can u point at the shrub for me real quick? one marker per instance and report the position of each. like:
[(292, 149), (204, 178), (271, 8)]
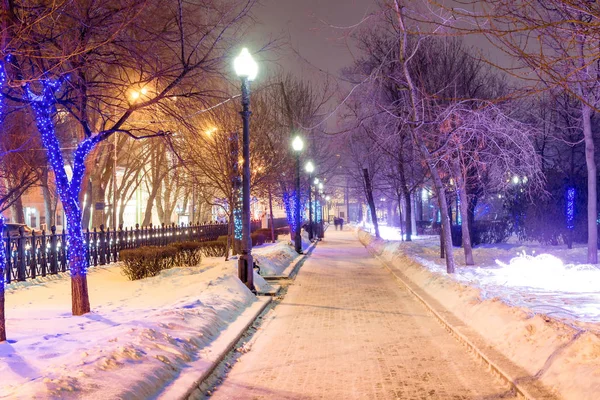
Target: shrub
[(267, 234), (285, 230), (145, 262), (257, 239), (189, 254), (213, 248), (222, 238), (488, 232)]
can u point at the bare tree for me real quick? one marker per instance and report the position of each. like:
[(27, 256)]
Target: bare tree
[(557, 40)]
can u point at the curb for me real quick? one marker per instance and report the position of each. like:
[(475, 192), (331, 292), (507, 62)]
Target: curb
[(292, 269), (197, 371), (274, 292), (528, 390), (191, 377)]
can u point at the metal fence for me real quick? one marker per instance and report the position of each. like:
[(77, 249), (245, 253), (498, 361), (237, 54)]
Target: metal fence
[(41, 254)]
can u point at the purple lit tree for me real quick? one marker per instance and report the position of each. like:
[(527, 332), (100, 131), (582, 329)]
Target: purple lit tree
[(44, 107)]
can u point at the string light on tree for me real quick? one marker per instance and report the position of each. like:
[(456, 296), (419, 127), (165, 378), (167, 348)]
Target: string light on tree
[(44, 108), (570, 208)]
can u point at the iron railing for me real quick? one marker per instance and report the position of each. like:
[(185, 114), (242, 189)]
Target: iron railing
[(40, 254)]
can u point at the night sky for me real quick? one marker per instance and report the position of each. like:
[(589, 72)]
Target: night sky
[(304, 25)]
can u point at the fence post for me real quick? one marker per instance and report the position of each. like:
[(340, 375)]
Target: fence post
[(21, 255), (102, 257), (43, 252), (53, 251), (117, 242), (136, 235), (95, 241), (63, 251), (32, 259), (8, 255)]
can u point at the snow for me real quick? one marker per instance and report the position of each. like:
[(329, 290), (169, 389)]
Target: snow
[(136, 340), (275, 258), (552, 280), (540, 311)]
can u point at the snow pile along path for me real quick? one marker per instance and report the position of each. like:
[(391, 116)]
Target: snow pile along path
[(138, 337), (563, 356), (273, 259)]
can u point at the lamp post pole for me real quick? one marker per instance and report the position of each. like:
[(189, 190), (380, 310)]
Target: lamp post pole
[(310, 169), (310, 216), (245, 262), (246, 69), (297, 144), (321, 230)]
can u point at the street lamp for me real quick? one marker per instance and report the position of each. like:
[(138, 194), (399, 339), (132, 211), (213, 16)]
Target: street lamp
[(297, 145), (310, 168), (321, 230), (246, 69)]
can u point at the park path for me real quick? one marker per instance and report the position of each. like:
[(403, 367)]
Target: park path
[(347, 330)]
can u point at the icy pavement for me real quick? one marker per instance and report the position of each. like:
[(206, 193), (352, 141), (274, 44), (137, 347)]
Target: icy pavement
[(550, 280), (347, 330)]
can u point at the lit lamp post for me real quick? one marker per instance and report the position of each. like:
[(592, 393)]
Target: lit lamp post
[(246, 68), (321, 230), (297, 145), (310, 168), (316, 182)]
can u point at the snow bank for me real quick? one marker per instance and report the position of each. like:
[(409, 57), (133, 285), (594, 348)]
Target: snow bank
[(275, 258), (137, 338), (563, 355)]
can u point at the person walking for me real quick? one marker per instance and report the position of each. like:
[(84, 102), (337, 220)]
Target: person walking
[(341, 221), (336, 222)]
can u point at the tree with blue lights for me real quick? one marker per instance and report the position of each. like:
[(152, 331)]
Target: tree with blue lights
[(95, 69)]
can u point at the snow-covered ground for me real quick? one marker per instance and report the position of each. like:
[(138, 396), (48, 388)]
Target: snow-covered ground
[(551, 280), (137, 338), (537, 311), (273, 260)]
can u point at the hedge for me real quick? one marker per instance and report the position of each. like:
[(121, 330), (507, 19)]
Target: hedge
[(488, 232), (189, 254), (213, 248), (145, 262), (267, 234)]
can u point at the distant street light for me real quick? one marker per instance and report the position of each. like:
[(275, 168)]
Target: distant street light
[(297, 145), (310, 168), (246, 68), (321, 230)]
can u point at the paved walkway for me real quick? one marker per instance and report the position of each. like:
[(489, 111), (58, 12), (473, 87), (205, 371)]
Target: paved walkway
[(347, 330)]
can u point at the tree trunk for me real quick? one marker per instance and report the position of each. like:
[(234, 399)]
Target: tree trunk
[(99, 196), (16, 209), (446, 239), (49, 200), (2, 278), (369, 190), (149, 205), (229, 236), (473, 199), (271, 215), (464, 213), (592, 215), (442, 243), (400, 214), (408, 214), (87, 208)]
